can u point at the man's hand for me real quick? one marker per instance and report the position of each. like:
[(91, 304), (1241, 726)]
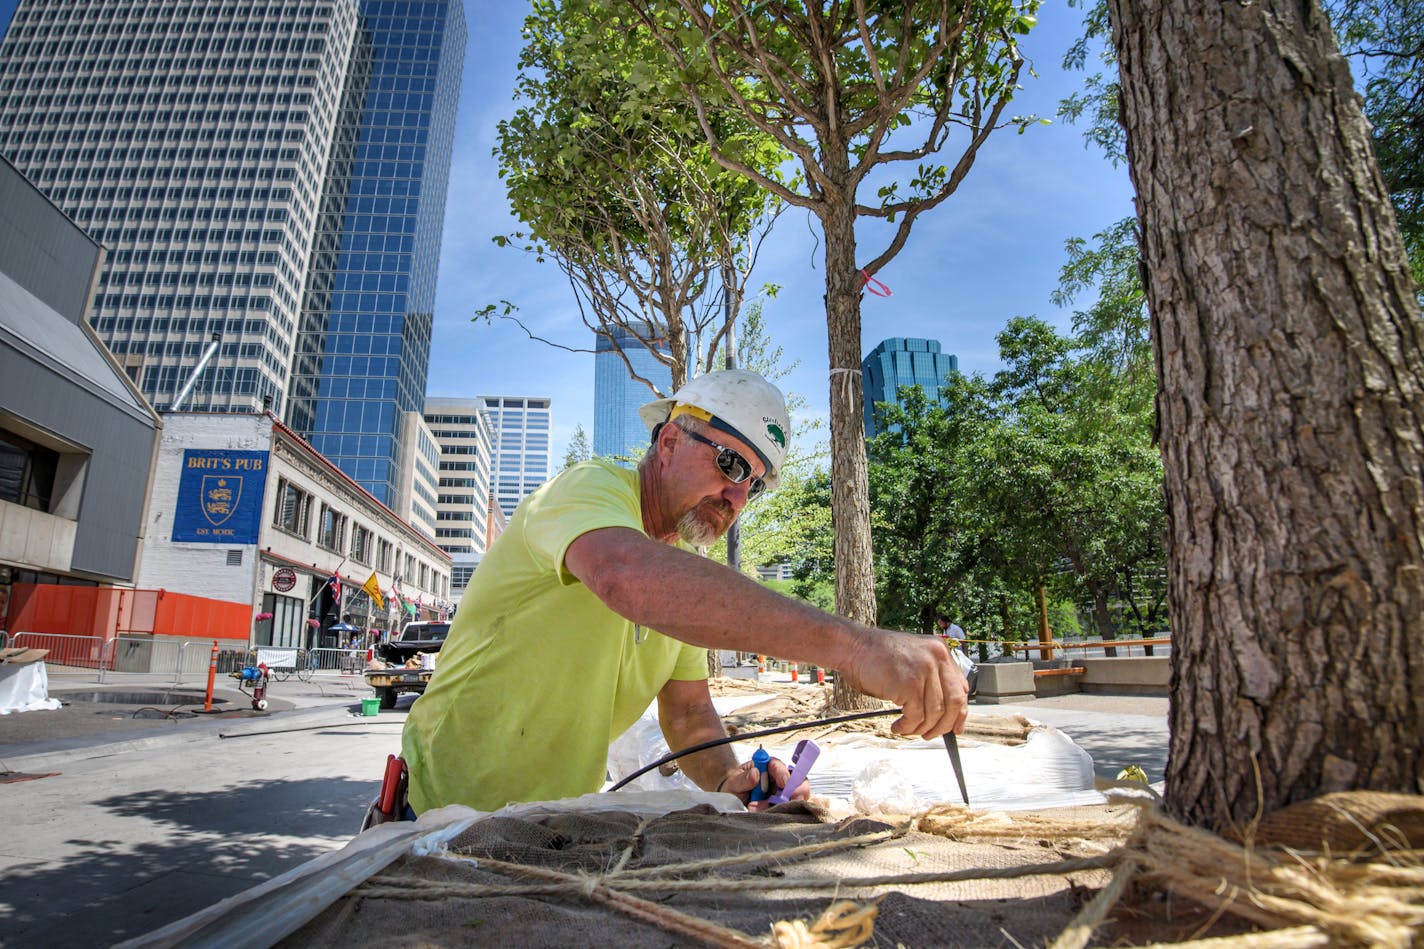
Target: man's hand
[(916, 672), (744, 777)]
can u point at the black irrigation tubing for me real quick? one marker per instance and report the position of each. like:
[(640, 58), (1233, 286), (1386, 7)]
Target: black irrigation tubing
[(748, 736), (304, 728)]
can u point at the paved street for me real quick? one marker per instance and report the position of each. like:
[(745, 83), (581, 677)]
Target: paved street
[(117, 844)]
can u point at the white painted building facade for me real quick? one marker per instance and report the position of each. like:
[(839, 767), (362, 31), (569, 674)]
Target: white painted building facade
[(244, 510)]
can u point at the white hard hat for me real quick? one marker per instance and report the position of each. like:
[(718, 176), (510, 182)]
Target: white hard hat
[(738, 402)]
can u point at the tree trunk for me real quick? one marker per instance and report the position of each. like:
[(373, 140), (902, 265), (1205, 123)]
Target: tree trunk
[(1102, 616), (850, 490), (1288, 341), (1045, 632)]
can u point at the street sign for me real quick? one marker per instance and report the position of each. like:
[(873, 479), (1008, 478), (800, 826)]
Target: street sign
[(284, 579)]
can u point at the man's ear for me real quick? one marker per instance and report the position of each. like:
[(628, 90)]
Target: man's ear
[(664, 437)]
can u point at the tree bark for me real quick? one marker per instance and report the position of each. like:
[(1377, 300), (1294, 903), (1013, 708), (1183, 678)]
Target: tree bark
[(1102, 616), (1288, 340), (850, 479)]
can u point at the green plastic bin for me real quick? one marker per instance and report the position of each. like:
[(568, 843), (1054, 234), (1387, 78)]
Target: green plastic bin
[(371, 707)]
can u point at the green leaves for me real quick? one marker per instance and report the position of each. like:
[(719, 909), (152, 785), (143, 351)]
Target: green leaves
[(1043, 475)]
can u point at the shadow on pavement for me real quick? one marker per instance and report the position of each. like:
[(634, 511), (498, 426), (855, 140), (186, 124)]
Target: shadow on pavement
[(200, 848)]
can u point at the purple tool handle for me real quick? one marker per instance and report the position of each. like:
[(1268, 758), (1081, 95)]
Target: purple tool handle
[(802, 758)]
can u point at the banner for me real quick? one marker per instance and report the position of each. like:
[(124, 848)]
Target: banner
[(220, 496)]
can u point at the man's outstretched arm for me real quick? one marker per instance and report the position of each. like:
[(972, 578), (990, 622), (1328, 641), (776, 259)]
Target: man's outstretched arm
[(707, 604)]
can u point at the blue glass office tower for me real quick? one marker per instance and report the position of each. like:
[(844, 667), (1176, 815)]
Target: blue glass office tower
[(617, 430), (363, 346), (900, 362)]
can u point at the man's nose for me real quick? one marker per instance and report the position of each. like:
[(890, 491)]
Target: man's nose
[(735, 493)]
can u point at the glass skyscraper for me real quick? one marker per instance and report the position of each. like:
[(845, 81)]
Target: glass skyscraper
[(617, 429), (269, 176), (363, 348), (899, 362)]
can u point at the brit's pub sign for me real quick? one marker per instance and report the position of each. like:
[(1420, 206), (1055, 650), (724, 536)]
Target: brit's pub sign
[(220, 496)]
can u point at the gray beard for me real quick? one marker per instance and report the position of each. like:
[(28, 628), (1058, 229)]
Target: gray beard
[(696, 531)]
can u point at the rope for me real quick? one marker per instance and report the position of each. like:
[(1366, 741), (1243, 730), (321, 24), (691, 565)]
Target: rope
[(842, 925), (788, 855), (406, 889), (1080, 930), (1303, 898), (847, 382)]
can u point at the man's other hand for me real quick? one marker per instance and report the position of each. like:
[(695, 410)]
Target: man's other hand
[(744, 777)]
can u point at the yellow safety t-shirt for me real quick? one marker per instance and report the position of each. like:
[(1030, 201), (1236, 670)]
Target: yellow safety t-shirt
[(537, 676)]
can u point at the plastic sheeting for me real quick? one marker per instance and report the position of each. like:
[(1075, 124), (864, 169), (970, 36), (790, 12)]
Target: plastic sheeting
[(859, 773), (25, 688)]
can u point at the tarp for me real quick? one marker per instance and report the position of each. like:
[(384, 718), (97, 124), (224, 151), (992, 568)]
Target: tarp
[(866, 774), (25, 688)]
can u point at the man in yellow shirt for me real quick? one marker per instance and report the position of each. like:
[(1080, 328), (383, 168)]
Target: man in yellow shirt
[(590, 605)]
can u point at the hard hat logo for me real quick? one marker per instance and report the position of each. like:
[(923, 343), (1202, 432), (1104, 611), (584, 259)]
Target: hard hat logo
[(739, 402)]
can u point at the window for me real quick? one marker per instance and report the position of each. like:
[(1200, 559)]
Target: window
[(27, 472), (383, 556), (361, 544), (332, 530), (293, 508)]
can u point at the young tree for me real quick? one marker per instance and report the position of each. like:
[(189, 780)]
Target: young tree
[(607, 168), (578, 448), (854, 93), (1288, 336)]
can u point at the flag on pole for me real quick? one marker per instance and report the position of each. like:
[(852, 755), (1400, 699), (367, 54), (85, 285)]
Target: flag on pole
[(335, 584), (372, 588)]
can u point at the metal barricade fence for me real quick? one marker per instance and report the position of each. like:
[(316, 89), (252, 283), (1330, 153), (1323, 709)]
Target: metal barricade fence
[(69, 655), (340, 661), (85, 656)]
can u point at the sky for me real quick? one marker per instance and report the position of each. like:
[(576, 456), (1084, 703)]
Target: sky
[(991, 252)]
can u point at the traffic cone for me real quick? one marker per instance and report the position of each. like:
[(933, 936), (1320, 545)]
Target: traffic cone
[(761, 664), (795, 667)]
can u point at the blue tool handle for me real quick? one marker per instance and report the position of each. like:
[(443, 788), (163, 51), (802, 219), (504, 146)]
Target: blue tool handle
[(763, 788)]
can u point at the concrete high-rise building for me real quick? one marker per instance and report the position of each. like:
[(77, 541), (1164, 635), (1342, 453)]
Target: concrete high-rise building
[(272, 174), (617, 430), (899, 362), (519, 427), (417, 487), (461, 428)]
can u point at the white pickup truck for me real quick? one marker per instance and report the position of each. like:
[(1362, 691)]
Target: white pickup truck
[(399, 675)]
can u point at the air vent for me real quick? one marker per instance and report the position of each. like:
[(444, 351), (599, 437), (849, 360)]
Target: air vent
[(234, 558)]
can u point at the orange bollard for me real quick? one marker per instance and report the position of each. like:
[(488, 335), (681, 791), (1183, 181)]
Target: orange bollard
[(795, 667), (761, 664), (820, 676), (212, 676)]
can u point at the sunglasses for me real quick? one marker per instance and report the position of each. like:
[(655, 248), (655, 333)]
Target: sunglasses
[(733, 465)]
